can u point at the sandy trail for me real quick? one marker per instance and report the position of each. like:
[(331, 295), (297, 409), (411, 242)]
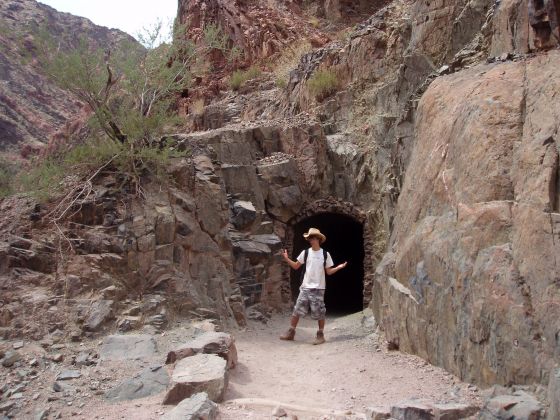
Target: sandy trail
[(335, 380), (349, 373)]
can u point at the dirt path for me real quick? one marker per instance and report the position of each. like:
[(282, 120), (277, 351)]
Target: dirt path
[(349, 373), (336, 380)]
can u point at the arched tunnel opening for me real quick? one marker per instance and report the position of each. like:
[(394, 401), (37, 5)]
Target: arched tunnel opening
[(345, 242)]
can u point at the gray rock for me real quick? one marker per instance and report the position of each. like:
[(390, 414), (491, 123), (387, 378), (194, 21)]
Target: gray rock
[(101, 311), (377, 413), (7, 406), (272, 240), (10, 358), (68, 374), (150, 381), (219, 343), (244, 214), (412, 410), (15, 390), (42, 414), (197, 407), (453, 411), (84, 359), (519, 406), (57, 357), (17, 345), (127, 347), (128, 323), (554, 395), (279, 412), (251, 248), (199, 373)]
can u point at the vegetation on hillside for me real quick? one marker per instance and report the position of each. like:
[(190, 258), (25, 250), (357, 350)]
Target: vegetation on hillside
[(323, 83), (131, 92), (240, 77)]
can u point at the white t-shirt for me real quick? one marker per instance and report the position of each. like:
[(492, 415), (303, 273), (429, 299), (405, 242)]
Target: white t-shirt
[(314, 277)]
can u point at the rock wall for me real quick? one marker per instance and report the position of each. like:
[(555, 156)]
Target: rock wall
[(471, 282)]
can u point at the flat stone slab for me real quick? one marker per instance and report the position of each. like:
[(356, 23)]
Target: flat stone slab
[(68, 374), (199, 373), (127, 347), (149, 381), (452, 411), (197, 407), (412, 410), (519, 405), (377, 413), (211, 342)]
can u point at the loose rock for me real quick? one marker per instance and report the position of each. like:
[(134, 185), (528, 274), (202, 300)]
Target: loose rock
[(68, 374), (10, 358), (218, 343), (199, 406), (199, 373), (127, 347), (148, 382)]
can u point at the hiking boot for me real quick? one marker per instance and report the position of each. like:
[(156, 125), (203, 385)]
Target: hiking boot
[(320, 339), (288, 335)]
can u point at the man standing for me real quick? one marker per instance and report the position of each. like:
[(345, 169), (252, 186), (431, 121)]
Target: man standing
[(312, 291)]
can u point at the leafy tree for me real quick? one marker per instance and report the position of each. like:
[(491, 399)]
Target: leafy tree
[(130, 90)]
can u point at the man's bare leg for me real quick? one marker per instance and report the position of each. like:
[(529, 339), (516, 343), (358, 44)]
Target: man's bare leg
[(294, 321), (321, 323)]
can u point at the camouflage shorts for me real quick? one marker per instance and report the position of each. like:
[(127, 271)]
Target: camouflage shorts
[(311, 300)]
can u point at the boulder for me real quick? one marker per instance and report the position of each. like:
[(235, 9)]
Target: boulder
[(219, 343), (101, 312), (244, 214), (127, 347), (518, 406), (197, 407), (453, 411), (10, 358), (199, 373), (412, 410), (475, 235), (377, 413), (149, 381)]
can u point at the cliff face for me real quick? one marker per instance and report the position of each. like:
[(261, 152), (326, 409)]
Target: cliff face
[(475, 243), (449, 108), (32, 107)]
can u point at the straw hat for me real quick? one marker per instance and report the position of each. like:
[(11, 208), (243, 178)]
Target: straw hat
[(315, 232)]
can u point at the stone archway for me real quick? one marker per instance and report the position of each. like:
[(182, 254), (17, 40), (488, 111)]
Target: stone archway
[(349, 238)]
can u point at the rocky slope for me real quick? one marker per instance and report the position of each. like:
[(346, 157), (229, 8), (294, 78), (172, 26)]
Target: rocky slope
[(32, 108)]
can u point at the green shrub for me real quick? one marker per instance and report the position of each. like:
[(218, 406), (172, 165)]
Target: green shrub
[(323, 84), (47, 178), (240, 77), (281, 83), (288, 60), (6, 178)]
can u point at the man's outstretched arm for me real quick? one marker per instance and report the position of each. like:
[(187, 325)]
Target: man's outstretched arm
[(294, 264), (332, 270)]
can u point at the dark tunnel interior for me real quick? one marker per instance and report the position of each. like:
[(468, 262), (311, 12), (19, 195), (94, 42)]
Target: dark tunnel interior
[(345, 242)]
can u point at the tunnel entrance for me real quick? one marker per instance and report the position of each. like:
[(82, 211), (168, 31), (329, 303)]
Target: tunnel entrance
[(345, 242)]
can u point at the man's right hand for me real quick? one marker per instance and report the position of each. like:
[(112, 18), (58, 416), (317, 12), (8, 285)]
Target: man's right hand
[(285, 254)]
